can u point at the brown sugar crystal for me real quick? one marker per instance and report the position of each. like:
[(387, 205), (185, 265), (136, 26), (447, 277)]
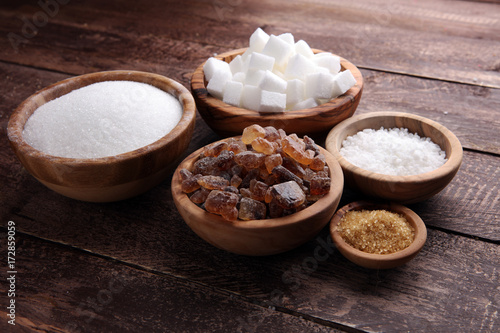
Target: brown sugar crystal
[(263, 174), (376, 231)]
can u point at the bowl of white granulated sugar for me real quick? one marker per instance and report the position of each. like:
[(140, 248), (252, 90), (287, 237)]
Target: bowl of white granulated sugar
[(103, 136), (395, 156)]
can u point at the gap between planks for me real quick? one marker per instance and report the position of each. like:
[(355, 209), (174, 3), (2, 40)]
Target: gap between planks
[(226, 292)]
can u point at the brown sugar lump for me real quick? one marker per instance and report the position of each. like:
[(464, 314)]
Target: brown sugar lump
[(288, 195), (282, 175), (376, 231), (213, 182), (273, 161), (318, 162), (251, 133), (296, 149), (249, 159), (258, 189), (264, 174), (215, 149), (294, 167), (319, 185), (264, 146), (251, 209), (272, 134), (236, 146), (199, 196), (189, 182), (222, 203)]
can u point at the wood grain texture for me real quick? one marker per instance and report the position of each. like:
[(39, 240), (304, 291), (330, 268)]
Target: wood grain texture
[(78, 292), (434, 39), (89, 42), (452, 275), (229, 120), (470, 112), (478, 173), (432, 58)]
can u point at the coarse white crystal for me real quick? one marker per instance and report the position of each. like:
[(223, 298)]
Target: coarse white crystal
[(394, 151)]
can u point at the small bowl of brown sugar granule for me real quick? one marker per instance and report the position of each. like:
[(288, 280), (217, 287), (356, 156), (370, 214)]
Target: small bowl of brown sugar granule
[(378, 236)]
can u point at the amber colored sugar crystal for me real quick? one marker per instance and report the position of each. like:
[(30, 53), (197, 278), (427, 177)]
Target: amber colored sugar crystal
[(376, 231), (266, 174)]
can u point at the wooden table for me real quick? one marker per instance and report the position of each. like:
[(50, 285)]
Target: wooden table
[(136, 266)]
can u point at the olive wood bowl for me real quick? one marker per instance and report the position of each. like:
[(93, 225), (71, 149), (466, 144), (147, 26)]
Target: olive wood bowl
[(379, 261), (402, 189), (108, 178), (227, 120), (259, 237)]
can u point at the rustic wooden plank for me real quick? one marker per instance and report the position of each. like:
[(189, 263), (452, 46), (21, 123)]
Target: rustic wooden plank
[(447, 286), (426, 38), (103, 48), (475, 189), (157, 239), (59, 289), (472, 113)]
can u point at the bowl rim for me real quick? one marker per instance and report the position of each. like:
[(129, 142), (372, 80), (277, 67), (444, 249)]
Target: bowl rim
[(17, 122), (453, 162), (198, 87), (412, 217), (275, 223)]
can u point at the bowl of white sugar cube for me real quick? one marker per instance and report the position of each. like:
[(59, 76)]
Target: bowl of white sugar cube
[(103, 136), (276, 81), (395, 156)]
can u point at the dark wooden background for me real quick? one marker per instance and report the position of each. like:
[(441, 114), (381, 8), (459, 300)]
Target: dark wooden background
[(135, 266)]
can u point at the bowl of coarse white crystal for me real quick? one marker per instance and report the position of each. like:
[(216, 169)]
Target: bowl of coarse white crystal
[(395, 156), (103, 136), (277, 81)]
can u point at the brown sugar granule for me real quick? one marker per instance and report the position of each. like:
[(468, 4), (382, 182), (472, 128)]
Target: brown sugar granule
[(376, 231)]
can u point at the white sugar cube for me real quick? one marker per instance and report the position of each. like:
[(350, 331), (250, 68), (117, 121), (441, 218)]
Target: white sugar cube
[(237, 64), (319, 69), (276, 73), (294, 91), (327, 60), (298, 67), (214, 65), (250, 97), (239, 77), (260, 61), (254, 77), (272, 82), (342, 82), (305, 104), (280, 74), (258, 40), (217, 83), (271, 101), (319, 85), (232, 93), (301, 47), (279, 49), (287, 37)]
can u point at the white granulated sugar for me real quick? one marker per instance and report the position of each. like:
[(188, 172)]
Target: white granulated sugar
[(103, 119), (393, 151)]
